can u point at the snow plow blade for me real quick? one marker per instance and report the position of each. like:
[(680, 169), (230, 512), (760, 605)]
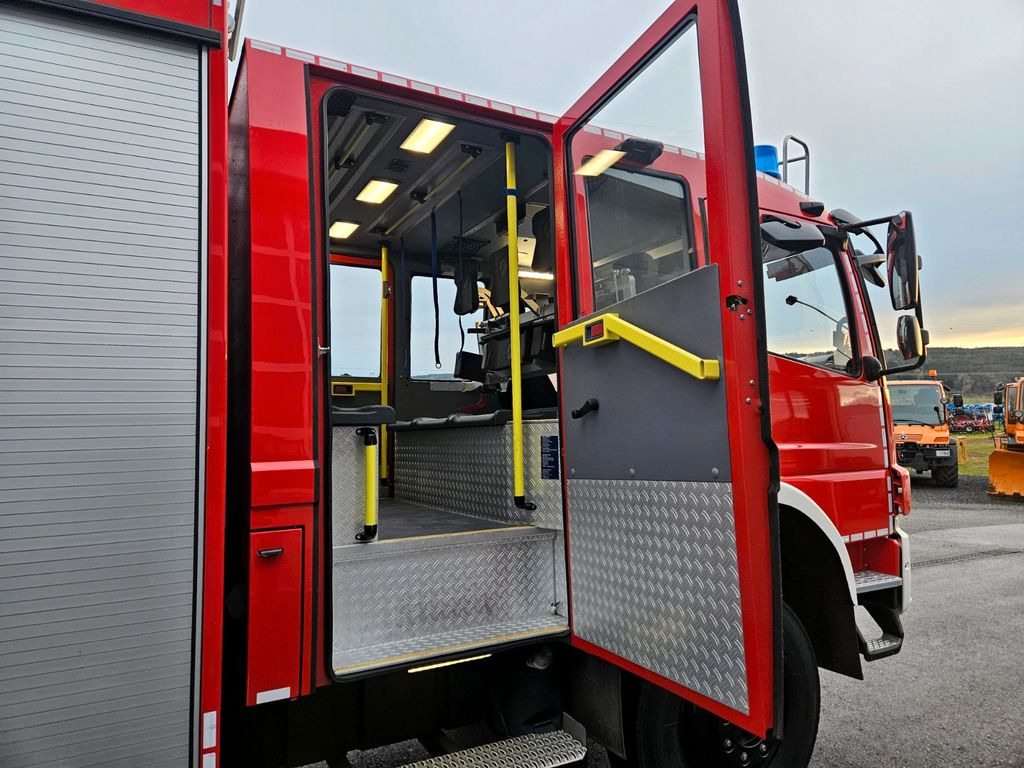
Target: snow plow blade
[(1006, 473)]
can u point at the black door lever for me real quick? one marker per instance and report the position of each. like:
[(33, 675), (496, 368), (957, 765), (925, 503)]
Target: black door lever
[(587, 407)]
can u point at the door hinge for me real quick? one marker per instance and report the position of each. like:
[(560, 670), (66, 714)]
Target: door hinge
[(322, 350)]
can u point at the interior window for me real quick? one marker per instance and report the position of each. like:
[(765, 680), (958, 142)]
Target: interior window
[(450, 339), (639, 232), (805, 308), (356, 296)]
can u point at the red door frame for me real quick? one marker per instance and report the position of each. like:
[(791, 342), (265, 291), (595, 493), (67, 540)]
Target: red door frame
[(730, 189)]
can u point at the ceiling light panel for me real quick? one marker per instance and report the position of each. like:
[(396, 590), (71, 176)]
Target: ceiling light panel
[(426, 136), (600, 162), (376, 191), (341, 229)]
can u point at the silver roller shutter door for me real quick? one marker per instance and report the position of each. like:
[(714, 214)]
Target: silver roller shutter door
[(99, 313)]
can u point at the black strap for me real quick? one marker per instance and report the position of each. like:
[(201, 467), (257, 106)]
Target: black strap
[(401, 281), (433, 272), (462, 266)]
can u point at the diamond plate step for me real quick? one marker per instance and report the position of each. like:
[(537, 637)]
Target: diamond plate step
[(872, 581), (403, 601), (534, 750)]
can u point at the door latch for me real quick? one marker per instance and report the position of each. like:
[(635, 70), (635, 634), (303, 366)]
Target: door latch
[(322, 351), (590, 406)]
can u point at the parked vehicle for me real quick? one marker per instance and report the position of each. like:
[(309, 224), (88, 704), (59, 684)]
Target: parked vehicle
[(452, 412), (1006, 462), (921, 429), (970, 422)]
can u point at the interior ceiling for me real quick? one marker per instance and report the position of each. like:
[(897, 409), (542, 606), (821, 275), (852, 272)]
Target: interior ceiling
[(366, 132)]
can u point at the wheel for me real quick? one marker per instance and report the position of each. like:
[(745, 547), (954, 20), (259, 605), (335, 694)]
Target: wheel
[(946, 477), (672, 733), (968, 428)]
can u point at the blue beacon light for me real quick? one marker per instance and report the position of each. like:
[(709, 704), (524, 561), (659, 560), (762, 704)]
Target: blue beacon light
[(766, 160)]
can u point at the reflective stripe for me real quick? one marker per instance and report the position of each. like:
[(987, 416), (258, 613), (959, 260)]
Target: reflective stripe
[(209, 730), (275, 695)]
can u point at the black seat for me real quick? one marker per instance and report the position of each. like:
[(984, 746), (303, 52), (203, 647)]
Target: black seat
[(456, 420), (365, 416)]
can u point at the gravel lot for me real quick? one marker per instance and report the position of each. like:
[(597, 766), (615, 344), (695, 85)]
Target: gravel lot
[(954, 697)]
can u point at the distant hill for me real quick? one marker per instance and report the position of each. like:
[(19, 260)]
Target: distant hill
[(972, 371)]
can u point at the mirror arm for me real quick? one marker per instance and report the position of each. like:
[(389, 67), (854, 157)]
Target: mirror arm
[(857, 226)]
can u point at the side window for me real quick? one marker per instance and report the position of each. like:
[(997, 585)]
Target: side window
[(356, 297), (637, 170), (805, 309), (450, 338)]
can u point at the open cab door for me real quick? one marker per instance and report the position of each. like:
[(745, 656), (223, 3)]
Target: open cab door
[(670, 476)]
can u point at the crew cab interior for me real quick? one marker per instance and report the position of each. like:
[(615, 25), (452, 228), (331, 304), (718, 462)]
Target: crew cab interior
[(420, 364)]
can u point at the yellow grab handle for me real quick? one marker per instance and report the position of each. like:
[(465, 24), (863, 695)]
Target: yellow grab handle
[(609, 327), (371, 481)]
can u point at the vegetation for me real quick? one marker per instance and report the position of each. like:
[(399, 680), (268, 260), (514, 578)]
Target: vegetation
[(974, 372), (979, 446)]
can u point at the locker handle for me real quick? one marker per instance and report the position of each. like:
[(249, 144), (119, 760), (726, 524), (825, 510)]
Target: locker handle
[(272, 552)]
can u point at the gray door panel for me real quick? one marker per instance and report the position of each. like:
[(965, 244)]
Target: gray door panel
[(654, 422)]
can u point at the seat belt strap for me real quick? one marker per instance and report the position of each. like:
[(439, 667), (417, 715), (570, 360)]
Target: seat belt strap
[(433, 272)]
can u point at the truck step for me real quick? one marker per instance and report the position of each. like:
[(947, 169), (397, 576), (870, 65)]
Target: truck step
[(891, 640), (402, 602), (534, 750), (872, 581)]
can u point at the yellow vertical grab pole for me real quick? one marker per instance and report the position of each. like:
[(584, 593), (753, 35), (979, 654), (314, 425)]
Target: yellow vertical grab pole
[(512, 209), (385, 316)]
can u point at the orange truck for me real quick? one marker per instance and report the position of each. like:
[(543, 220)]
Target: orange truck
[(1006, 463), (920, 429)]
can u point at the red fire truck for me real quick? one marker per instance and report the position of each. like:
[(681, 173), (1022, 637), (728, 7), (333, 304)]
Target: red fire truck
[(439, 412)]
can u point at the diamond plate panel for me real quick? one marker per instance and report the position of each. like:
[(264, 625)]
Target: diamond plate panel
[(469, 471), (534, 750), (348, 489), (655, 580), (394, 601)]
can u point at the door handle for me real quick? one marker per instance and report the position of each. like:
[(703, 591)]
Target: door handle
[(609, 328), (591, 406), (274, 552)]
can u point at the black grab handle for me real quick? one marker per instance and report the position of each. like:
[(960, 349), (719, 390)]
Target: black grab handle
[(587, 407)]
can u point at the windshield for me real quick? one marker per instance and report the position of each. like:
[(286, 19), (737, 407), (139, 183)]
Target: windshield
[(916, 404)]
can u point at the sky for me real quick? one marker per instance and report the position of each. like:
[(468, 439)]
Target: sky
[(913, 105)]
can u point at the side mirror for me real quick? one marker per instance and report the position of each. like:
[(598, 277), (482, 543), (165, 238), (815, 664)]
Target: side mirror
[(902, 262), (997, 396), (908, 337), (958, 401), (790, 234)]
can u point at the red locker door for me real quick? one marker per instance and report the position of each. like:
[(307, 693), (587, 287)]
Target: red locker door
[(275, 615)]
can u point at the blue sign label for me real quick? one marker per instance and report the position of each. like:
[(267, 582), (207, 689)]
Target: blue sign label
[(549, 457)]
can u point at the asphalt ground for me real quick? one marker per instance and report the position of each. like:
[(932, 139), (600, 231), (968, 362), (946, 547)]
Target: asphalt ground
[(954, 696)]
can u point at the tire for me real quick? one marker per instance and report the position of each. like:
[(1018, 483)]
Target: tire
[(946, 477), (672, 733), (968, 428)]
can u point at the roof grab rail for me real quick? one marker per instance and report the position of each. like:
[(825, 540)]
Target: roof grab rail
[(805, 157)]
